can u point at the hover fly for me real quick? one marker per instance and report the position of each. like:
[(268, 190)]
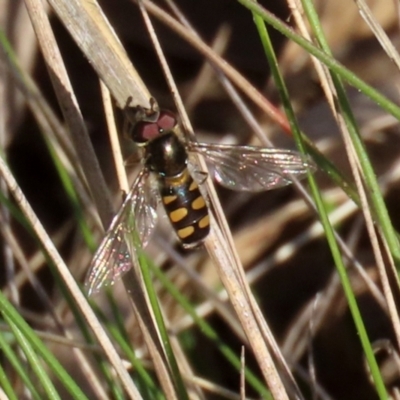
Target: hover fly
[(167, 176)]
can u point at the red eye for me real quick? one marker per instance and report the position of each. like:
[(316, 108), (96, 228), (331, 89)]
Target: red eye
[(145, 131), (166, 121)]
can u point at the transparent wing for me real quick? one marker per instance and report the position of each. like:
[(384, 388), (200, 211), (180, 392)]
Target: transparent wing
[(135, 219), (253, 169)]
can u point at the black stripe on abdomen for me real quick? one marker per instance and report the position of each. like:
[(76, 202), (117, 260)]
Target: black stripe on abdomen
[(187, 211)]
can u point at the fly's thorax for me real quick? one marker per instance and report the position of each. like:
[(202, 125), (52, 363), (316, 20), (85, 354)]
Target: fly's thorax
[(186, 208), (166, 155)]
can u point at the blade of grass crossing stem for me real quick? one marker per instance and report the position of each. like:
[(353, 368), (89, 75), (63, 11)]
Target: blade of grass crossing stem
[(210, 333), (380, 387), (327, 166), (34, 361), (379, 207), (176, 375), (145, 380), (121, 336), (16, 213), (16, 320), (138, 255), (19, 368), (113, 386), (109, 381)]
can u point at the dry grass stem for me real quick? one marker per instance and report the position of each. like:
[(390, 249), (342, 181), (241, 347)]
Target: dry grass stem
[(94, 35), (115, 144), (379, 32), (70, 107)]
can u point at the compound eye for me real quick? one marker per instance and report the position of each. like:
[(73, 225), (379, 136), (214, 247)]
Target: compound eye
[(166, 121), (144, 131)]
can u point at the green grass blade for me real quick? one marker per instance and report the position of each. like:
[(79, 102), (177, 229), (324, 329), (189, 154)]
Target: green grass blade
[(120, 335), (146, 380), (321, 210), (31, 338), (370, 180), (34, 361), (114, 329), (175, 373), (379, 208), (19, 367)]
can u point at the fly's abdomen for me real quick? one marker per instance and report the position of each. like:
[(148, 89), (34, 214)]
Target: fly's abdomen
[(186, 209)]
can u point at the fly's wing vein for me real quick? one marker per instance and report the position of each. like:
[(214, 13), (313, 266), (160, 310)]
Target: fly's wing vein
[(131, 227), (251, 168)]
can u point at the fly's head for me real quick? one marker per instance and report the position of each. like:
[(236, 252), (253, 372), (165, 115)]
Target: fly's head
[(156, 125)]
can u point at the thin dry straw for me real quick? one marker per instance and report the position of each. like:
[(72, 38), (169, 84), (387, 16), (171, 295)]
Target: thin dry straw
[(69, 281)]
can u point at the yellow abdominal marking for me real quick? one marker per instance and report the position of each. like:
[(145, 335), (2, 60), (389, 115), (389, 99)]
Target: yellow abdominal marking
[(204, 222), (193, 186), (169, 199), (198, 203), (178, 214), (185, 232)]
